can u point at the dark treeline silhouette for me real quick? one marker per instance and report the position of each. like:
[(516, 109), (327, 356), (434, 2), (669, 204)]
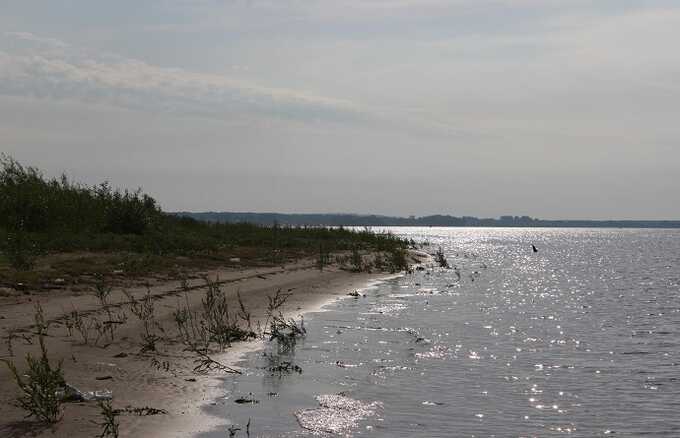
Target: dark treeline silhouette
[(434, 220)]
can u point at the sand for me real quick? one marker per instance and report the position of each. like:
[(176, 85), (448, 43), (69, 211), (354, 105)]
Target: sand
[(134, 378)]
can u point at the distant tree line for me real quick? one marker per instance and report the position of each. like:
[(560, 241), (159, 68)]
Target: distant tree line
[(268, 219)]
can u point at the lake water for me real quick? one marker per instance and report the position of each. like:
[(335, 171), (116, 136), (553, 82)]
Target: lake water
[(579, 339)]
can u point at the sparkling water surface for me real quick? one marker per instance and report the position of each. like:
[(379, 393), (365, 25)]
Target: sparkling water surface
[(580, 339)]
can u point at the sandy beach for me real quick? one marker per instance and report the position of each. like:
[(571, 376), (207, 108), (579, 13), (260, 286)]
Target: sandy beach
[(162, 380)]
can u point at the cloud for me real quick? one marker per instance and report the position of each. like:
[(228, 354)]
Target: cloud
[(36, 40), (34, 66)]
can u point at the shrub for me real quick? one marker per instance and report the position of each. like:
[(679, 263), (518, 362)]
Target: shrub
[(220, 324), (34, 203), (285, 331), (39, 386)]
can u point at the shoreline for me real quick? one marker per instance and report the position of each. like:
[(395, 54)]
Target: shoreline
[(195, 419), (164, 380)]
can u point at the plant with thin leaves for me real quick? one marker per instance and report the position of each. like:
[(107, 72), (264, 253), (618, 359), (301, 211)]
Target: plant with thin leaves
[(39, 385), (102, 290), (109, 425), (80, 325), (40, 323), (191, 328), (145, 311), (99, 327), (274, 304), (440, 258), (69, 323), (284, 330), (220, 324), (233, 430), (243, 313), (9, 342), (204, 363)]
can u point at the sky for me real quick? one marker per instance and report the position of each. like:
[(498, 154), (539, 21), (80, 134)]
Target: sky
[(550, 108)]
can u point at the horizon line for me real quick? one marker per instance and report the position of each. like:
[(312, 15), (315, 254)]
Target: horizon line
[(417, 217)]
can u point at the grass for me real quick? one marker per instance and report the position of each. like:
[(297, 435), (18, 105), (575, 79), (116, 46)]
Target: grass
[(56, 229)]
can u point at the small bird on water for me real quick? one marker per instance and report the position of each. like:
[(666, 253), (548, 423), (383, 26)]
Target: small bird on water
[(534, 248)]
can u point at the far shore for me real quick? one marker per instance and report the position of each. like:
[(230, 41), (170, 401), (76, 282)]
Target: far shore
[(163, 380)]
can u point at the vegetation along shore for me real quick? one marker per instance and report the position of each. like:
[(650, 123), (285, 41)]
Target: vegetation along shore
[(118, 319)]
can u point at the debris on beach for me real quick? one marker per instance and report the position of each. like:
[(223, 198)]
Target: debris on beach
[(141, 412), (336, 414), (72, 394), (249, 399)]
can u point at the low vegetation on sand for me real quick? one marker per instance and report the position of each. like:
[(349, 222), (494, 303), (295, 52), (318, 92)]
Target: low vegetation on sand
[(39, 386), (56, 233), (53, 230)]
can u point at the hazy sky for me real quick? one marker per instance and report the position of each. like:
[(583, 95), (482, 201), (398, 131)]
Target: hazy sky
[(550, 108)]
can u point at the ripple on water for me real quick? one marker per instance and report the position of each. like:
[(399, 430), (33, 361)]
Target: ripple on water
[(388, 308), (572, 341), (436, 352)]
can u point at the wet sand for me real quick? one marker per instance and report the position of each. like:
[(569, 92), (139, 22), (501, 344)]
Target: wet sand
[(164, 380)]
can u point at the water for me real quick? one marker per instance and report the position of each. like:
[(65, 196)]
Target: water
[(579, 339)]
